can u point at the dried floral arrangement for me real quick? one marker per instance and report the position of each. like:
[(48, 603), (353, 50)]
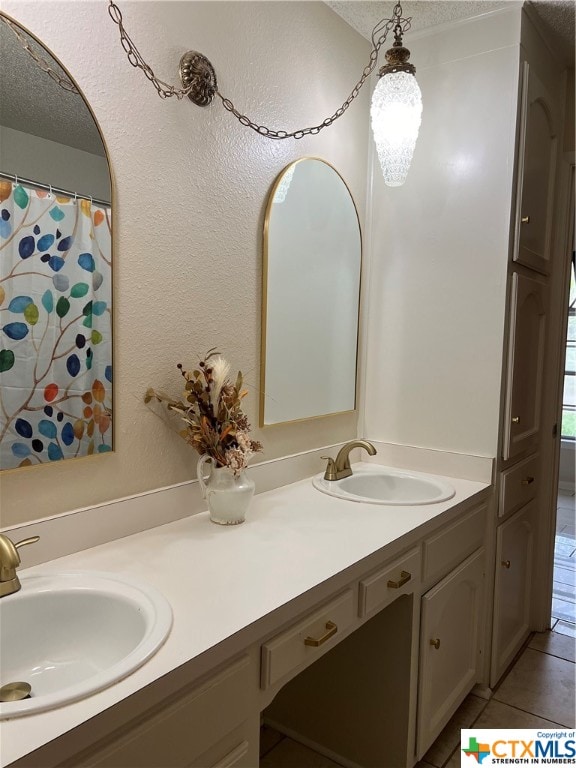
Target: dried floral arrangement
[(211, 408)]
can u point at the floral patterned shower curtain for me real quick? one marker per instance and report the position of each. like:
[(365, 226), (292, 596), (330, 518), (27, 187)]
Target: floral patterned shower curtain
[(55, 327)]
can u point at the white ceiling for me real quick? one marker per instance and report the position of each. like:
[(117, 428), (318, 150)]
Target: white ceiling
[(556, 17), (32, 102)]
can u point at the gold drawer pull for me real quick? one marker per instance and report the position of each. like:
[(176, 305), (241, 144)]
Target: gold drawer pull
[(435, 643), (527, 481), (331, 631), (515, 419), (405, 576), (525, 219), (505, 563)]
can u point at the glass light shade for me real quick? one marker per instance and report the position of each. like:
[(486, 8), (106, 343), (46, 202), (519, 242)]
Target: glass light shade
[(396, 114)]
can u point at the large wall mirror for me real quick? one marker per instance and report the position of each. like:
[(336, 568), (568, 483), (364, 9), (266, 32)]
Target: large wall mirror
[(55, 262), (311, 289)]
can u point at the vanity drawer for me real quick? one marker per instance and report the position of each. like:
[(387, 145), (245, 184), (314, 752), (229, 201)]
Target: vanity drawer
[(519, 485), (384, 586), (448, 548), (307, 640)]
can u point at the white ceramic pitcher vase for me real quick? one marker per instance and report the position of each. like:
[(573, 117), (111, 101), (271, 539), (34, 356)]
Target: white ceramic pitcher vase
[(228, 494)]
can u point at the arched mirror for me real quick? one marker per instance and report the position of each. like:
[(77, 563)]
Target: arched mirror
[(311, 288), (55, 262)]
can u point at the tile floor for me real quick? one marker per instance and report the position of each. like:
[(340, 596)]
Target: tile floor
[(564, 591), (537, 692)]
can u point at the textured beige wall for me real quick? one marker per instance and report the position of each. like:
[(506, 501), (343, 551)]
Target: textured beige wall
[(191, 188), (439, 249)]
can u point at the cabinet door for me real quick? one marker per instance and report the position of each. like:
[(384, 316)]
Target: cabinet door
[(238, 749), (511, 589), (201, 726), (449, 646), (528, 308), (536, 173)]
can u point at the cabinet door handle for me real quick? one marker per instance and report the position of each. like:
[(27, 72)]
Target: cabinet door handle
[(527, 480), (315, 642), (505, 563), (515, 419), (435, 643), (525, 219), (405, 577)]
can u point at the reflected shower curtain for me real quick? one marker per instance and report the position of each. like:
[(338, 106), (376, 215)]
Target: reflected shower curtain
[(55, 327)]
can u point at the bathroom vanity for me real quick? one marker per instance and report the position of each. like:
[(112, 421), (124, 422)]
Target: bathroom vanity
[(356, 627)]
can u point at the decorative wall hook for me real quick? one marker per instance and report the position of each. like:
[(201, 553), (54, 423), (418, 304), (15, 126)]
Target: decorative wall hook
[(198, 78)]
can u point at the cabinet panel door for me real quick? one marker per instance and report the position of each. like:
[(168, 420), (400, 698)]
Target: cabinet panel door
[(238, 749), (199, 719), (449, 646), (235, 757), (528, 308), (536, 173), (511, 589)]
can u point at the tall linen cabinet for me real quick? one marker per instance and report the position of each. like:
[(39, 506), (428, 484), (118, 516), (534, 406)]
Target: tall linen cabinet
[(524, 456), (463, 296)]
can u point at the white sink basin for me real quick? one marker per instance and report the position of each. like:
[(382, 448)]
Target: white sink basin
[(70, 635), (373, 484)]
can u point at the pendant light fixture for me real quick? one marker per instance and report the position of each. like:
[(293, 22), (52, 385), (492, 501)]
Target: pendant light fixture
[(396, 113), (396, 103)]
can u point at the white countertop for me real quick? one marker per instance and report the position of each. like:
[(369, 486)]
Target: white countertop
[(221, 579)]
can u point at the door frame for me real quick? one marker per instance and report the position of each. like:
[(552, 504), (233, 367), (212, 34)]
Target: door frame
[(553, 391)]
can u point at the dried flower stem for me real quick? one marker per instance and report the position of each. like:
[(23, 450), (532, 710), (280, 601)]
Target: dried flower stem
[(211, 410)]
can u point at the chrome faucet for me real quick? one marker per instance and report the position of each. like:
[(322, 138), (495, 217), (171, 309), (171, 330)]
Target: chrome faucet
[(339, 467), (9, 561)]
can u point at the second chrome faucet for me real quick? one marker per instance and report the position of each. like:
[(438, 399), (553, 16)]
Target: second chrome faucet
[(339, 467)]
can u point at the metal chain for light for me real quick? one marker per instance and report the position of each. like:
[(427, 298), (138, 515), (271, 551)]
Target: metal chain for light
[(60, 80), (165, 90)]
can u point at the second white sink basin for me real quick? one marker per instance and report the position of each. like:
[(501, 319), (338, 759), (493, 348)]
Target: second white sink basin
[(374, 484), (70, 635)]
